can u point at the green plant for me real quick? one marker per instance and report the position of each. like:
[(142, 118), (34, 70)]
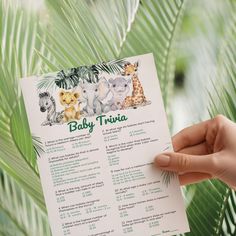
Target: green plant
[(18, 42), (83, 33), (212, 210), (19, 214), (76, 35)]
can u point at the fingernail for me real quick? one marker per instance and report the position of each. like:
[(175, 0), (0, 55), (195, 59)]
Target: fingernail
[(162, 160)]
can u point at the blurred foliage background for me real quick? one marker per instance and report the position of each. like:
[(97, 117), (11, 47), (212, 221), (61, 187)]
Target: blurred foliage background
[(194, 45)]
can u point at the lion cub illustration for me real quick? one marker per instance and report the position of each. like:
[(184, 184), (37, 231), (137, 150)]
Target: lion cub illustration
[(69, 100)]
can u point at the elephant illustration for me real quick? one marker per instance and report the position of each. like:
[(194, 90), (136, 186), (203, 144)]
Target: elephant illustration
[(120, 88), (93, 94)]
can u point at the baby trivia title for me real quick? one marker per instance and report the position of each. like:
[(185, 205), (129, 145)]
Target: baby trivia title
[(101, 119)]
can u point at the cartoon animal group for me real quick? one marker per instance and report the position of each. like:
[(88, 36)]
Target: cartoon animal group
[(93, 95)]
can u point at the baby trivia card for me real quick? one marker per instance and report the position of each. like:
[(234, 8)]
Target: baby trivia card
[(99, 128)]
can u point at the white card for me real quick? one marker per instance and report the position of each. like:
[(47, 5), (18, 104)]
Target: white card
[(99, 128)]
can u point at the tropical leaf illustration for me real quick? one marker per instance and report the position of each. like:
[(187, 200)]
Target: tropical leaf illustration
[(38, 145), (111, 67), (68, 79), (47, 83), (167, 176)]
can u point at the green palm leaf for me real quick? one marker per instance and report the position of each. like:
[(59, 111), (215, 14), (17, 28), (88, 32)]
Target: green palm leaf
[(18, 39), (212, 210), (154, 30), (19, 215), (207, 208), (79, 32), (87, 32), (147, 26)]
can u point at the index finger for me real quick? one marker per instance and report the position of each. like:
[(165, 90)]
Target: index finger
[(190, 136)]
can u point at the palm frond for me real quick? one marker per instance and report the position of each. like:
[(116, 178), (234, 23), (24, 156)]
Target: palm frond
[(87, 36), (213, 201), (79, 33), (19, 215), (154, 30), (103, 30), (18, 59), (228, 210), (223, 101), (207, 208), (88, 31)]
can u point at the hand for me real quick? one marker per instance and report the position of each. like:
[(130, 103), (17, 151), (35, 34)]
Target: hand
[(203, 151)]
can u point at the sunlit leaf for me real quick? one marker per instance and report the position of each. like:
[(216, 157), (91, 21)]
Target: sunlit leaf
[(18, 59), (19, 214)]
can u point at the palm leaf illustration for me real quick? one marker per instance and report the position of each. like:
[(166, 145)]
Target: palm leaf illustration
[(38, 145), (68, 79), (167, 176)]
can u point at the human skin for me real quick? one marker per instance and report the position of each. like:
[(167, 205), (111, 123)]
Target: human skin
[(203, 151)]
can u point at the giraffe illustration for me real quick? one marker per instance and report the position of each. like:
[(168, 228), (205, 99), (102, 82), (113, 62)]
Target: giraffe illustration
[(138, 96)]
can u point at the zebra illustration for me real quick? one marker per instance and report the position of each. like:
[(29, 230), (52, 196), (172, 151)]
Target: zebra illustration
[(47, 103)]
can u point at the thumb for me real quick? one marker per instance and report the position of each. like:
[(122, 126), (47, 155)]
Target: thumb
[(180, 162)]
